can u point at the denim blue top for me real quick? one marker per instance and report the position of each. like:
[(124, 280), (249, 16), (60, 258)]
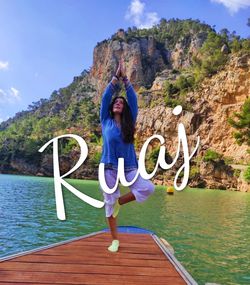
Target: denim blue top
[(113, 146)]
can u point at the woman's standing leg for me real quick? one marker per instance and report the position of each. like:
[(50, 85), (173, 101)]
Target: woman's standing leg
[(109, 200), (113, 226)]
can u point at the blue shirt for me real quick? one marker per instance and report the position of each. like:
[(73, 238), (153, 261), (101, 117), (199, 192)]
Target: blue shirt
[(113, 145)]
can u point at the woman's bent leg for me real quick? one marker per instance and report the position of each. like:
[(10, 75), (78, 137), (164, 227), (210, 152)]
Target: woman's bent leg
[(141, 188), (128, 197)]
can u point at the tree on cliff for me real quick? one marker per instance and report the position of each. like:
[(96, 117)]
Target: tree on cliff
[(242, 124)]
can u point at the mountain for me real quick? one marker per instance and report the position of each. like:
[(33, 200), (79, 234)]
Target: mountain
[(176, 62)]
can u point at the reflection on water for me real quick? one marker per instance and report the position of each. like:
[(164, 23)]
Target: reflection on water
[(209, 229)]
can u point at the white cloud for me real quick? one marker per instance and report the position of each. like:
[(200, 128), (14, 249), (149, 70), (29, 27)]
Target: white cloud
[(15, 93), (10, 96), (234, 5), (139, 17), (135, 12), (4, 65)]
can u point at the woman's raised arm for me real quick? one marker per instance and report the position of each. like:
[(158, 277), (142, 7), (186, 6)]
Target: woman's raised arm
[(130, 92), (132, 98), (108, 93), (106, 99)]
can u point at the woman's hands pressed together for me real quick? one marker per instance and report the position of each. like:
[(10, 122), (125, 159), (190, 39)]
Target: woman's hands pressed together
[(122, 69), (120, 72)]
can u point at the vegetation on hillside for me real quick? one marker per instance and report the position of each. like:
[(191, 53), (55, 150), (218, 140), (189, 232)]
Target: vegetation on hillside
[(45, 120), (167, 31), (247, 174), (212, 155), (175, 92)]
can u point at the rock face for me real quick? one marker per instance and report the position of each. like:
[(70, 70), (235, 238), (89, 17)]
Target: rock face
[(144, 57), (24, 167), (216, 100), (185, 48), (136, 55), (217, 175), (242, 185)]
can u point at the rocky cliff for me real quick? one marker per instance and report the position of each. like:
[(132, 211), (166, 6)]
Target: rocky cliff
[(144, 57), (213, 103)]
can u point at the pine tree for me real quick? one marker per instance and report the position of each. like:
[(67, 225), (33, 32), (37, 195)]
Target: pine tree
[(242, 124)]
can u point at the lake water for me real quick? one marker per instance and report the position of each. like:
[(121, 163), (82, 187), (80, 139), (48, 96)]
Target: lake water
[(209, 229)]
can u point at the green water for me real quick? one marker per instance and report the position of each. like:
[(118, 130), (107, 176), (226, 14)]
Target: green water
[(209, 229)]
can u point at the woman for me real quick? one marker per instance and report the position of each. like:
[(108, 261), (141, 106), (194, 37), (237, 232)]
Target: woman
[(118, 120)]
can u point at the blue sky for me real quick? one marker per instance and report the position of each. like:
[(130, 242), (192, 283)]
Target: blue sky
[(45, 43)]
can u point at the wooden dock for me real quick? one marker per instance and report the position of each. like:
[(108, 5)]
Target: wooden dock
[(142, 259)]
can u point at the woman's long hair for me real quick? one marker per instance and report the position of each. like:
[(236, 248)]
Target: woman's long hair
[(127, 125)]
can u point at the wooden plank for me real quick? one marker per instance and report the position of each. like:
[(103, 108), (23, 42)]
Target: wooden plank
[(110, 260), (102, 242), (125, 236), (88, 249), (81, 278), (90, 268), (21, 283)]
